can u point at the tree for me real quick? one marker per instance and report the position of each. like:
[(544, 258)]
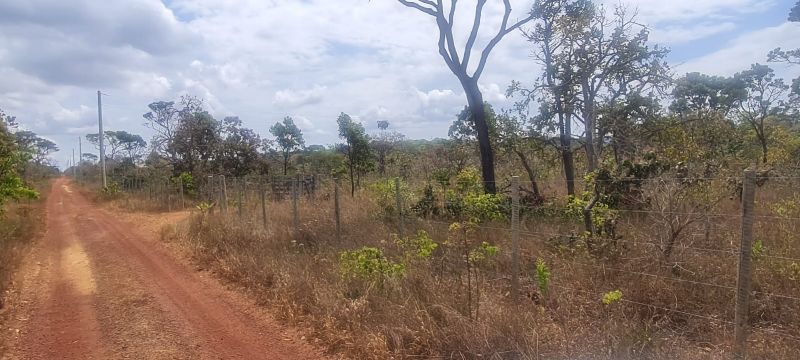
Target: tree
[(89, 157), (555, 22), (358, 155), (459, 65), (289, 139), (11, 162), (165, 119), (384, 144), (196, 142), (764, 101), (132, 146), (37, 148), (238, 153), (611, 65), (513, 138)]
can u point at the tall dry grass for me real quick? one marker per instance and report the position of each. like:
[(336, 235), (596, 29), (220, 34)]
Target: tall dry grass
[(676, 307)]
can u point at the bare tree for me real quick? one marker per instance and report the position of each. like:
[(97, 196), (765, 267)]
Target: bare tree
[(459, 65)]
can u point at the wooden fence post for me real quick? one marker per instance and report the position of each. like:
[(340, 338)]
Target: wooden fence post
[(183, 198), (168, 189), (295, 214), (240, 198), (264, 205), (210, 193), (515, 238), (337, 212), (399, 203), (744, 277), (224, 194)]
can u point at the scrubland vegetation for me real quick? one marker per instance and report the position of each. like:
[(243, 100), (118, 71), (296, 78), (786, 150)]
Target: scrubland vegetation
[(22, 170), (630, 207)]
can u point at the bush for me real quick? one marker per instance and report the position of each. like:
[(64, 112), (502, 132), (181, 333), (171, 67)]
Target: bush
[(369, 264), (386, 195)]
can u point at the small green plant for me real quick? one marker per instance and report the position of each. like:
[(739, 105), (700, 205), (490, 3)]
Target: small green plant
[(422, 246), (369, 264), (484, 207), (758, 249), (542, 276), (187, 180), (385, 192), (204, 207), (483, 253), (468, 181), (112, 191), (612, 297)]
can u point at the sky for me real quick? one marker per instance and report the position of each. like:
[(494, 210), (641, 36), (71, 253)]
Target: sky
[(262, 60)]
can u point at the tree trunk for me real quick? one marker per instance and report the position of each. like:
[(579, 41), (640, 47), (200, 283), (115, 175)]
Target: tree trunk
[(531, 174), (476, 107), (352, 180), (285, 164), (566, 154), (763, 139), (589, 122)]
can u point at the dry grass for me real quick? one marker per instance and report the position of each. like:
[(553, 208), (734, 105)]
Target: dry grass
[(422, 314), (20, 225)]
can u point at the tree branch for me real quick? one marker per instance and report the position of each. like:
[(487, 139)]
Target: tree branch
[(474, 34), (420, 7), (446, 28), (504, 30)]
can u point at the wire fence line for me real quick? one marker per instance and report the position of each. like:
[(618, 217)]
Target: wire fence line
[(239, 194)]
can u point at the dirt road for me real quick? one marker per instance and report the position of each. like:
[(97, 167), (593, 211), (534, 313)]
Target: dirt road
[(97, 287)]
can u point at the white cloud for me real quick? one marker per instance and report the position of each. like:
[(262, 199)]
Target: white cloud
[(679, 34), (687, 11), (297, 98), (747, 49)]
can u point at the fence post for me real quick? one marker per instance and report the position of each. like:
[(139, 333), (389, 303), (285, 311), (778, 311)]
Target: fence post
[(240, 198), (183, 198), (295, 215), (210, 193), (168, 189), (515, 238), (744, 277), (399, 207), (263, 192), (224, 193), (337, 211)]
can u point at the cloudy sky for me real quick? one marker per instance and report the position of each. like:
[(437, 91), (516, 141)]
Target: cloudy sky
[(311, 59)]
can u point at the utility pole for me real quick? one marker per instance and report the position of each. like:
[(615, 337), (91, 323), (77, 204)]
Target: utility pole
[(80, 156), (101, 136), (74, 167)]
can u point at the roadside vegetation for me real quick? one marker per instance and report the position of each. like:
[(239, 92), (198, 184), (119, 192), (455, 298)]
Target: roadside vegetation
[(23, 185), (630, 186)]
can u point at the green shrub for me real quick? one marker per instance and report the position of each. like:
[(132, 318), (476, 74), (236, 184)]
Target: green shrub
[(612, 297), (187, 180), (386, 195), (542, 276), (422, 246), (369, 264), (758, 249)]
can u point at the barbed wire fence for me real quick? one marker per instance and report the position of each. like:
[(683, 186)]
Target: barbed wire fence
[(250, 199)]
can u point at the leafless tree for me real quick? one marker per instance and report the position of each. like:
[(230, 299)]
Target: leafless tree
[(459, 64)]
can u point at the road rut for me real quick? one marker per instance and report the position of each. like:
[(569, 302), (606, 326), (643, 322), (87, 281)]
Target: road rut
[(97, 287)]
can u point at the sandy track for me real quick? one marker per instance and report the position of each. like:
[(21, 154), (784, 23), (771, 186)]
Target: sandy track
[(97, 287)]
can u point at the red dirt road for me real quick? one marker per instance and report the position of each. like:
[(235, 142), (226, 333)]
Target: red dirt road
[(96, 287)]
